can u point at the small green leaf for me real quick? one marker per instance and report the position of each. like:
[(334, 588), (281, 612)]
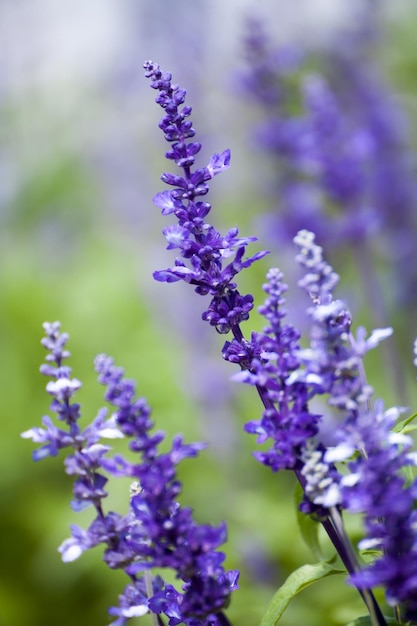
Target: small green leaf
[(296, 582), (400, 427), (308, 527), (409, 429)]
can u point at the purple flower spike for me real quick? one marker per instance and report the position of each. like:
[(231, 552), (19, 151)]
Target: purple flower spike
[(286, 419), (157, 532), (204, 248), (374, 454)]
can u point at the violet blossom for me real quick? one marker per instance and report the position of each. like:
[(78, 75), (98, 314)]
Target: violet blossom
[(157, 532), (286, 420), (367, 441), (200, 244)]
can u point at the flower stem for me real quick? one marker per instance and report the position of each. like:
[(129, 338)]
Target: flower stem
[(155, 619), (377, 619)]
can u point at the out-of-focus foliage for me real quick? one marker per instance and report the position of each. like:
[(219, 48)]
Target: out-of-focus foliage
[(80, 157)]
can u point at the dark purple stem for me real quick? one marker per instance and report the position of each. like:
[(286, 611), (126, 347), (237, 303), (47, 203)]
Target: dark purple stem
[(223, 620)]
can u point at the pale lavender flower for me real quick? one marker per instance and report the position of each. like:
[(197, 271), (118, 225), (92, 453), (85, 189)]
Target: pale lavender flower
[(334, 356), (376, 487)]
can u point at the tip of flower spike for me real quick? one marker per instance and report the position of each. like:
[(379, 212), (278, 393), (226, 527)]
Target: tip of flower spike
[(150, 67), (51, 328)]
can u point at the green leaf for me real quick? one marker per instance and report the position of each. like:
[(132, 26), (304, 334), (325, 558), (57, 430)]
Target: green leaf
[(309, 528), (401, 426), (296, 582), (409, 429)]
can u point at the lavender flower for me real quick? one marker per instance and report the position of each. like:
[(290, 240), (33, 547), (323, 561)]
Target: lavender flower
[(375, 453), (157, 532), (206, 249), (199, 243), (286, 420), (334, 357)]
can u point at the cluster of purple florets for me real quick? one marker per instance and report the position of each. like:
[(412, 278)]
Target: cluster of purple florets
[(205, 249), (157, 532), (286, 420)]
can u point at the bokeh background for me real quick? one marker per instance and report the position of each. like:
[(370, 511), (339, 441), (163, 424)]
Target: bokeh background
[(80, 160)]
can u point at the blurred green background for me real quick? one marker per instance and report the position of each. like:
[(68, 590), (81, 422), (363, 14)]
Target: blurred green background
[(80, 159)]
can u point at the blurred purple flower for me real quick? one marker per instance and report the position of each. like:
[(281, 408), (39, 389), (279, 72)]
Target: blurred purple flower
[(344, 167)]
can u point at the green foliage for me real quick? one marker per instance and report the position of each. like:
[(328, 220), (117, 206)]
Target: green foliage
[(300, 579)]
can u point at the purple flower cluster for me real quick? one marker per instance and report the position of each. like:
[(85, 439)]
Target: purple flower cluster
[(374, 450), (286, 419), (335, 356), (157, 532), (268, 359), (199, 243), (376, 487)]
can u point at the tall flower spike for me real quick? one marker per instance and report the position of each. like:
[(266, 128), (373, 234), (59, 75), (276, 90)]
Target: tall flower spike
[(204, 248), (157, 532), (286, 419), (335, 356)]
